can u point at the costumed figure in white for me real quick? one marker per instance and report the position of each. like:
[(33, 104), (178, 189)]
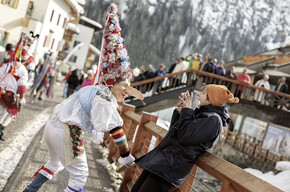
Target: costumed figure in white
[(27, 58), (91, 110), (13, 88), (263, 83)]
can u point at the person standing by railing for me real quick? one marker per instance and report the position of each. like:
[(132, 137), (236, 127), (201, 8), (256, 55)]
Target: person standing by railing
[(160, 72), (243, 78), (264, 83), (231, 75), (191, 133), (280, 87)]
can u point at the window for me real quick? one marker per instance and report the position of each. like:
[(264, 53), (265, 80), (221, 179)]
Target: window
[(48, 39), (11, 3), (64, 23), (52, 43), (58, 46), (58, 19), (76, 43), (73, 58), (30, 9), (44, 42), (51, 15)]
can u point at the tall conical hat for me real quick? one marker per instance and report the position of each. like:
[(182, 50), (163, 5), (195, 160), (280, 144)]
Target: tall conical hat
[(114, 61)]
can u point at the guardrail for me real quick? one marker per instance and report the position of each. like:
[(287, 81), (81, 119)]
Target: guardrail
[(196, 78), (143, 134), (250, 148)]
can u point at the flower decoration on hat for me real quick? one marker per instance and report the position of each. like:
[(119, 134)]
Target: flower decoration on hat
[(114, 63)]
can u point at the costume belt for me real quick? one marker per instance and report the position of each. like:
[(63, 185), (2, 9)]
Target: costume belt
[(10, 96)]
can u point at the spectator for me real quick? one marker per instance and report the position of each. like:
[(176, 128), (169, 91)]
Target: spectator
[(191, 133), (73, 82), (195, 65), (214, 64), (141, 76), (259, 95), (160, 72), (148, 75), (243, 78), (206, 64), (89, 79), (173, 66), (280, 87), (66, 84), (219, 70), (181, 66), (190, 58), (231, 75)]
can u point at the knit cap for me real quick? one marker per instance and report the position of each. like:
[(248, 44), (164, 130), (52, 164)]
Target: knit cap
[(219, 95)]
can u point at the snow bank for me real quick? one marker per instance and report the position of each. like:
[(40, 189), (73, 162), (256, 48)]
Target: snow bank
[(280, 180), (11, 155)]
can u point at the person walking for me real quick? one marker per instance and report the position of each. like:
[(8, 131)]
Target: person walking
[(93, 110)]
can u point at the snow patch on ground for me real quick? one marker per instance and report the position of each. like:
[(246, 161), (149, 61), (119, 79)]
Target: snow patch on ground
[(115, 176), (11, 155)]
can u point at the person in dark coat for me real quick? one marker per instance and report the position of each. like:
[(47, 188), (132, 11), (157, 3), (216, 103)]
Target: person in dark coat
[(73, 82), (191, 133), (282, 87)]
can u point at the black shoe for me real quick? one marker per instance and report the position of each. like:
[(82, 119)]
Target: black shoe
[(1, 132), (39, 98)]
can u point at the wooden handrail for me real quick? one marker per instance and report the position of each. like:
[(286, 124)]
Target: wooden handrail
[(232, 177), (135, 84), (249, 147)]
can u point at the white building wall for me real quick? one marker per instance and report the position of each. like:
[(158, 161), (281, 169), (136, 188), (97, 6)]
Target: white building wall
[(85, 36), (11, 20), (50, 31)]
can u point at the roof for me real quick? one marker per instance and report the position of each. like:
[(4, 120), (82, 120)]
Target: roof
[(241, 69), (75, 5), (90, 23), (272, 72), (94, 49), (81, 2), (73, 27)]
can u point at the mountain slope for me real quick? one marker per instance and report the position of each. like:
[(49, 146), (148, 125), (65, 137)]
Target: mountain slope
[(160, 30)]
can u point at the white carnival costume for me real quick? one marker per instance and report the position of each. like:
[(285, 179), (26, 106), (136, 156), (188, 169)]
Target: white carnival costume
[(92, 110), (13, 88)]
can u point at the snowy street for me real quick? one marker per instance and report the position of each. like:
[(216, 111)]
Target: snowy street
[(23, 152)]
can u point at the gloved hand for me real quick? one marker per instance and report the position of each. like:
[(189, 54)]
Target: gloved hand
[(126, 160)]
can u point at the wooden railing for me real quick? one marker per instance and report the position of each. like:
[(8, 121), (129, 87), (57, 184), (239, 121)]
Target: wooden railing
[(149, 135), (251, 148), (196, 78)]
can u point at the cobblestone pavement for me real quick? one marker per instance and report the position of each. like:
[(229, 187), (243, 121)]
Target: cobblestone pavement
[(36, 155)]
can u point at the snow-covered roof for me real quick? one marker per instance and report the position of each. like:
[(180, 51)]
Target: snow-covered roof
[(90, 23), (74, 3), (73, 27), (272, 72), (94, 49), (81, 2), (241, 69)]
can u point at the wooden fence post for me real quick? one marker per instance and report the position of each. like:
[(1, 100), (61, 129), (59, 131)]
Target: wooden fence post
[(137, 147)]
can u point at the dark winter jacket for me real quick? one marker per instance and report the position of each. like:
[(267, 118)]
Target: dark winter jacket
[(73, 80), (207, 67), (283, 89), (191, 133)]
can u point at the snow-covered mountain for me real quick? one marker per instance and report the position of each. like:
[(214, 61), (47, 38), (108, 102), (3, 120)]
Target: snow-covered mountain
[(160, 30)]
